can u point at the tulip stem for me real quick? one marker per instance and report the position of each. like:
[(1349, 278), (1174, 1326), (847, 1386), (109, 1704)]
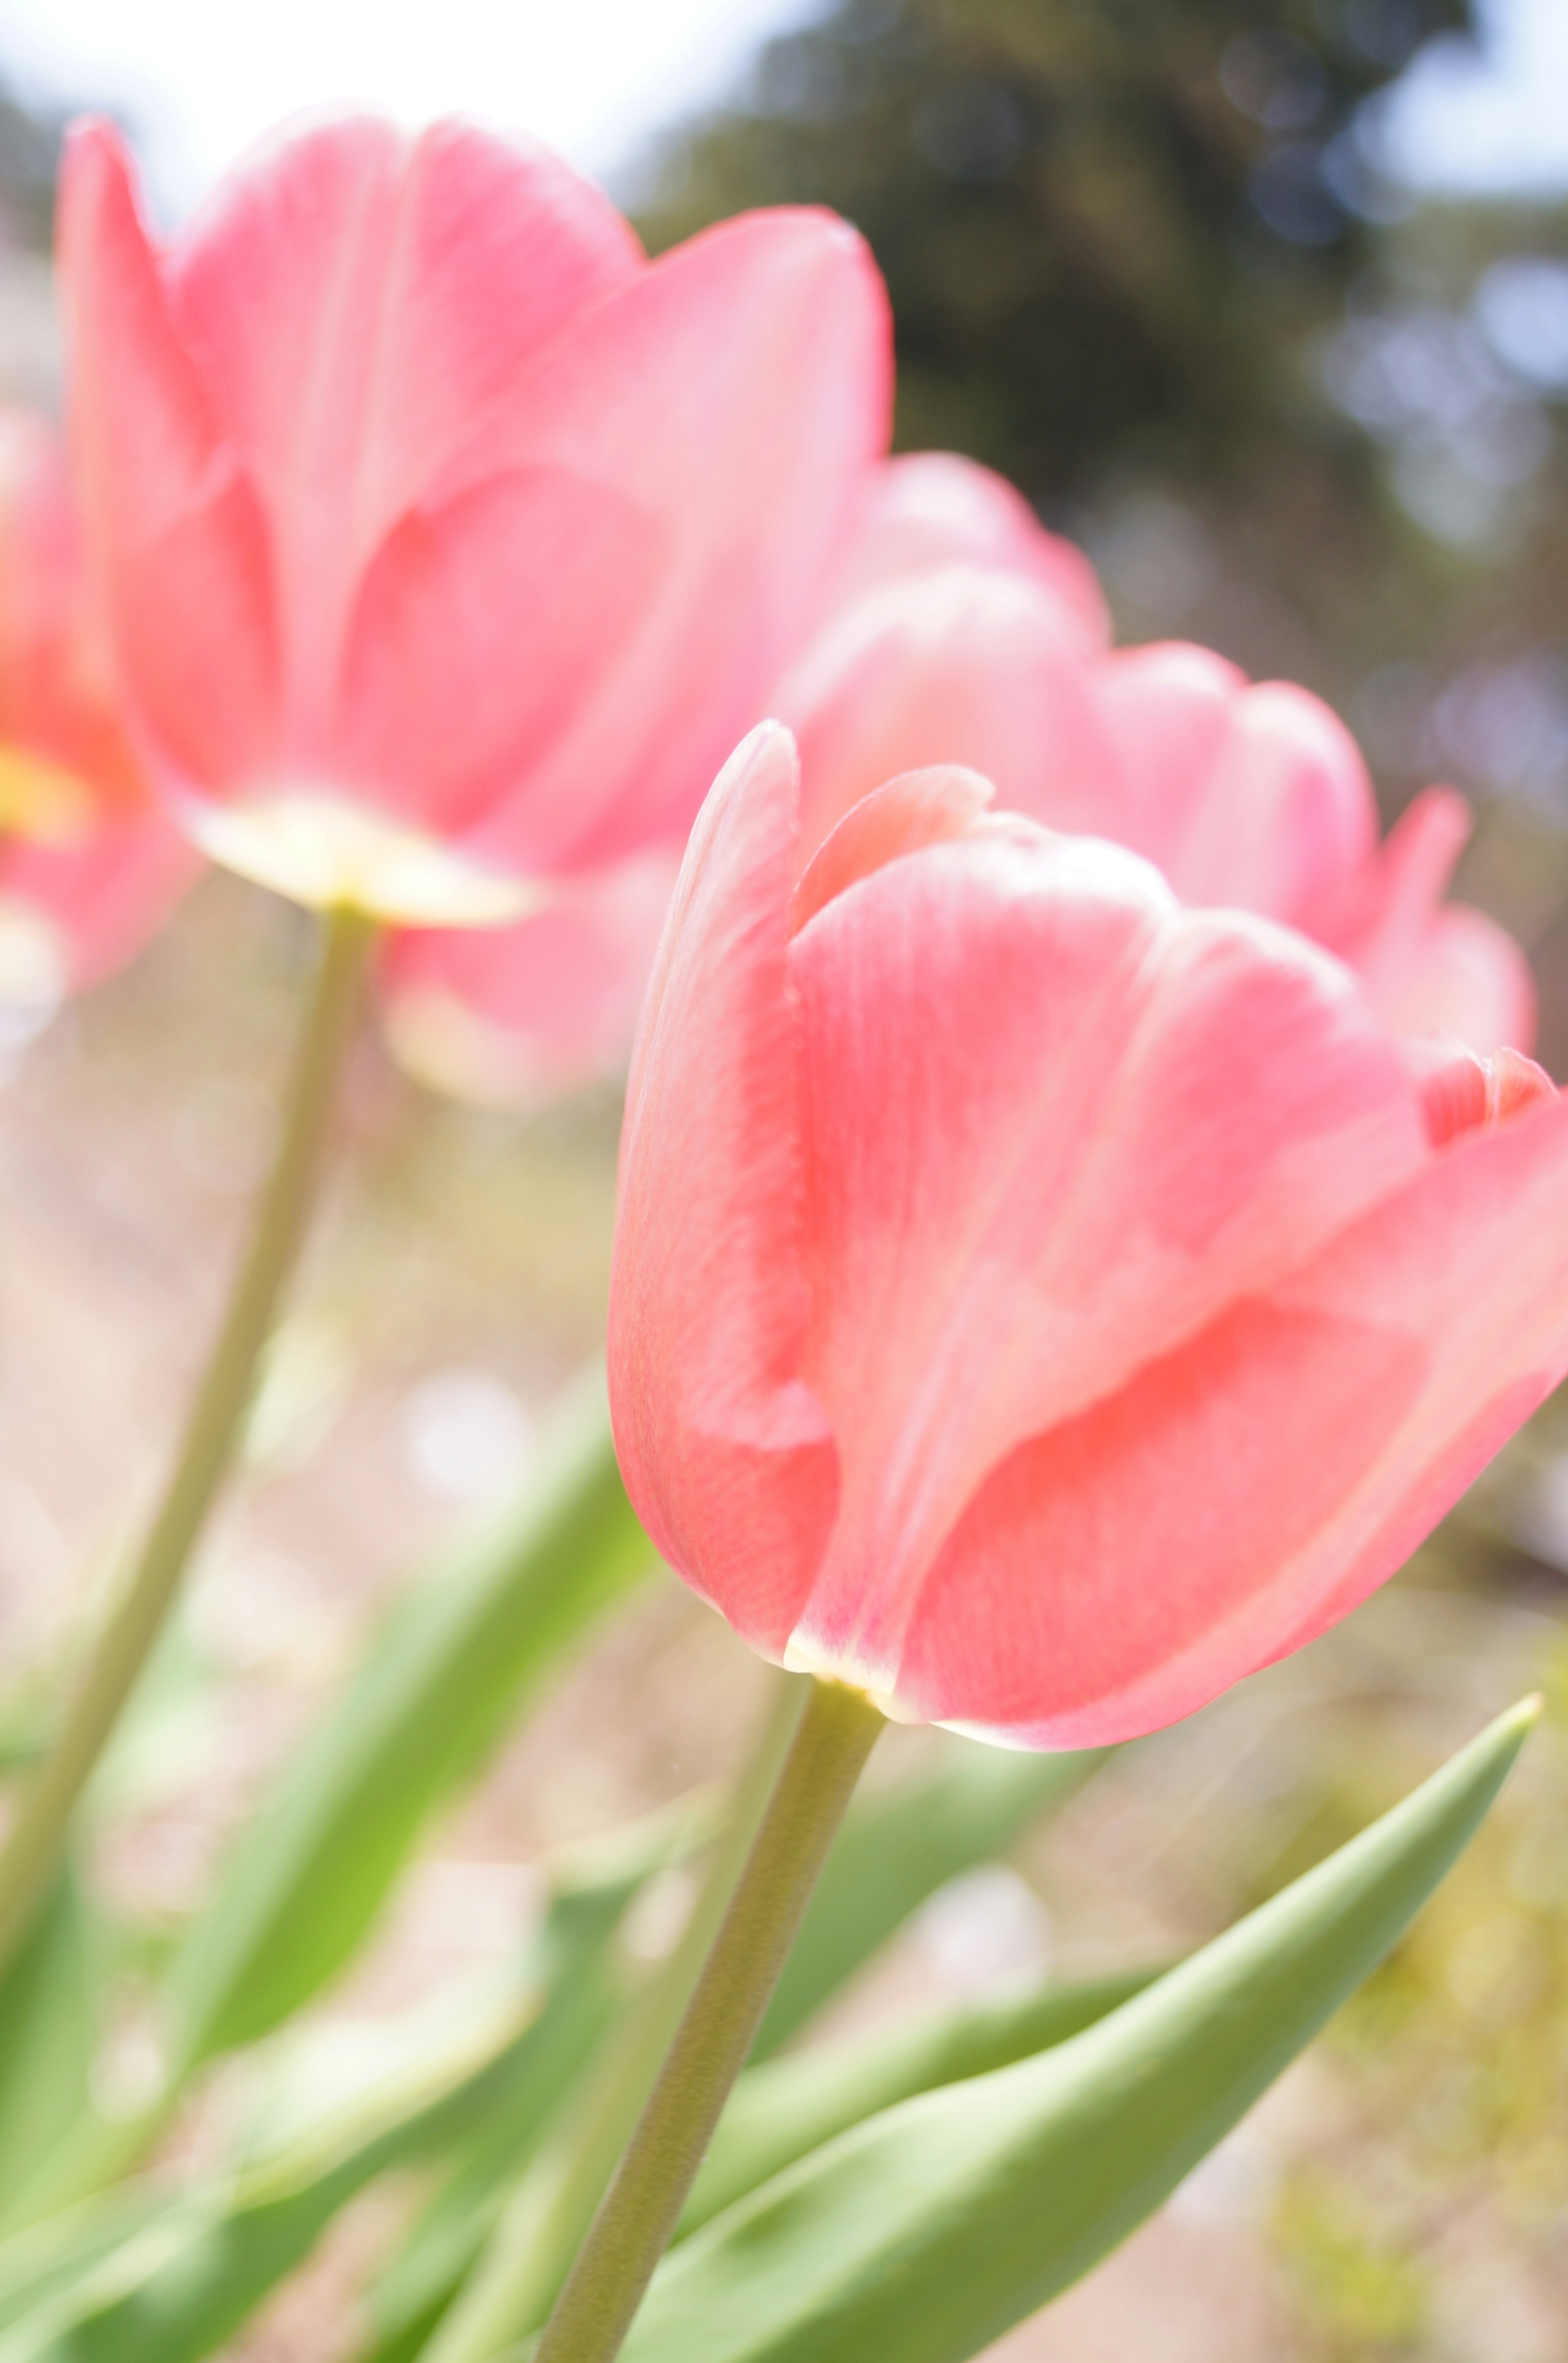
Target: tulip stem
[(545, 2221), (37, 1838), (632, 2229)]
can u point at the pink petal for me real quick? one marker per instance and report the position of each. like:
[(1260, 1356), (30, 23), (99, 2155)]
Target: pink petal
[(176, 527), (481, 631), (89, 866), (1462, 1092), (103, 898), (960, 665), (1255, 798), (511, 1016), (724, 1453), (1470, 980), (1240, 1496), (1428, 967), (933, 508), (919, 809), (736, 395), (1053, 1124), (358, 302)]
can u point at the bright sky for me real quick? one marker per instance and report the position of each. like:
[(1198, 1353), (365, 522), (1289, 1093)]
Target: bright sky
[(201, 78), (1497, 122)]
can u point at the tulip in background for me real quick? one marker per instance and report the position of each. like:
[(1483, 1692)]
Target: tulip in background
[(958, 631), (89, 863), (450, 545), (1254, 798)]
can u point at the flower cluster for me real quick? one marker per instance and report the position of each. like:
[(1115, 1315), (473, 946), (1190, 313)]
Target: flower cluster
[(1086, 1209)]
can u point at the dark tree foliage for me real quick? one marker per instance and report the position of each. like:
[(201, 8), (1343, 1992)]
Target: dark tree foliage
[(29, 163), (1107, 224)]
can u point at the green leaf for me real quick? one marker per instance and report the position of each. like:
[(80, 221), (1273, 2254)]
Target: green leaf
[(127, 2281), (929, 2231), (435, 1694), (50, 2258), (50, 2026), (899, 1845), (780, 2111)]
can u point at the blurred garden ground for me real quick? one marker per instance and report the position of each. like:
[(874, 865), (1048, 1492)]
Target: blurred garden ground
[(1144, 258)]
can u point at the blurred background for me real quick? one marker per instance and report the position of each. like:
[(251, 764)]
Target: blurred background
[(1267, 306)]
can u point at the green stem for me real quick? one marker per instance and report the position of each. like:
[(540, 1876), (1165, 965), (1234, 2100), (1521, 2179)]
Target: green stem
[(38, 1836), (630, 2233), (526, 2258)]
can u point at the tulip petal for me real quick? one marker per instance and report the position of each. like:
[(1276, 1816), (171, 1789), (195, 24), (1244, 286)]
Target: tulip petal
[(736, 393), (725, 1449), (1255, 798), (1469, 980), (102, 899), (355, 300), (920, 808), (184, 548), (1242, 1494), (452, 674), (1429, 967), (1054, 1123), (959, 665), (935, 508)]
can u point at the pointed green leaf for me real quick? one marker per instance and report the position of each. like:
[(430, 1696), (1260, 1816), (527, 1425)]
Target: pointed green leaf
[(438, 1692), (782, 2110), (899, 1845), (50, 2026), (928, 2232)]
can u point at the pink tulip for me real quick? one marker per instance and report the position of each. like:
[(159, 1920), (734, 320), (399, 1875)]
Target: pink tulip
[(1255, 797), (448, 543), (90, 866), (1036, 1302), (513, 1014)]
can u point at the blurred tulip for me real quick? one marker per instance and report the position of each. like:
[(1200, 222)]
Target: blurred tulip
[(513, 1014), (1034, 1302), (1249, 796), (448, 543), (935, 508), (90, 865)]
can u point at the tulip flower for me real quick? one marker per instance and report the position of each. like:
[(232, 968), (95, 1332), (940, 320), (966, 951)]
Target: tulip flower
[(1254, 796), (509, 1014), (90, 865), (448, 543), (1037, 1304)]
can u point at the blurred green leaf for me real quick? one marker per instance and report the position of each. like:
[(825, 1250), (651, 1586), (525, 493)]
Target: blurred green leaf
[(780, 2111), (52, 1999), (899, 1845), (928, 2232), (438, 1692), (128, 2281), (50, 2259)]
